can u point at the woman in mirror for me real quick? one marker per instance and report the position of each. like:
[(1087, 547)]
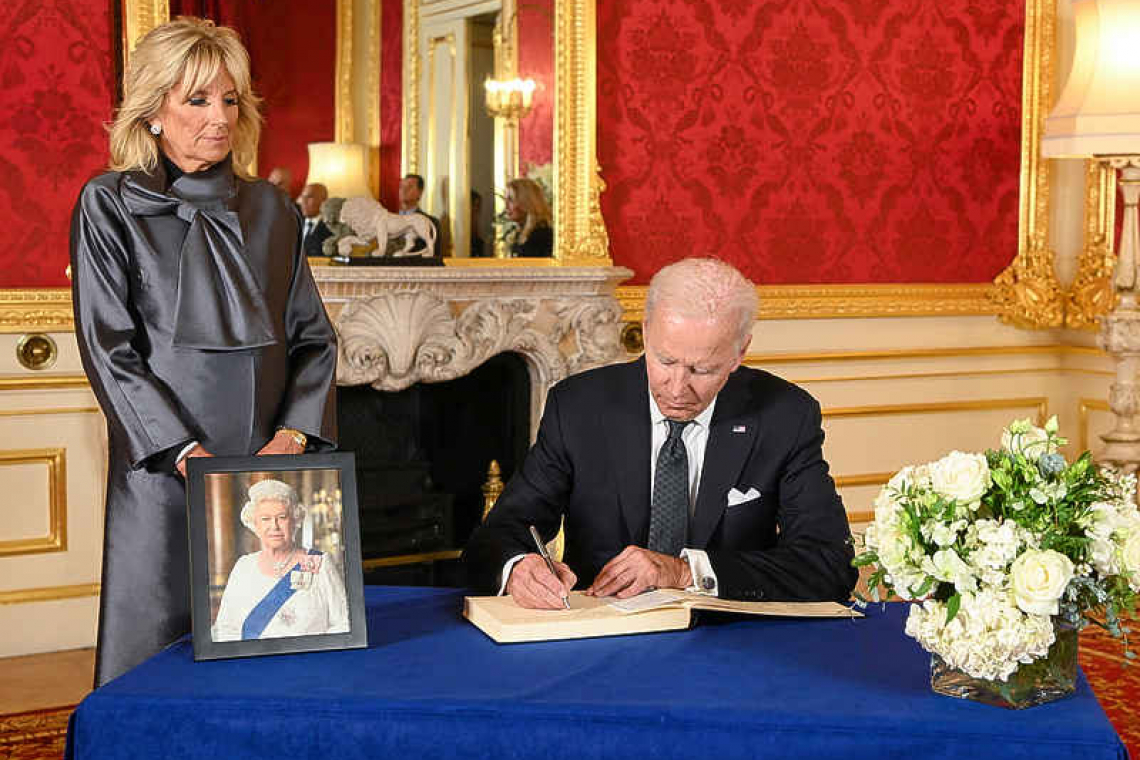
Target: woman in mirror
[(527, 207), (198, 322)]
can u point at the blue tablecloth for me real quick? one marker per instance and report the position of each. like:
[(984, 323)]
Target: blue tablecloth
[(430, 685)]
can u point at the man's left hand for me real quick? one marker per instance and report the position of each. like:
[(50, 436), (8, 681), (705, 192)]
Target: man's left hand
[(636, 570), (281, 443)]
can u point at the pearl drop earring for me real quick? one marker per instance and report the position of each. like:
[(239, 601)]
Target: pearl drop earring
[(156, 129)]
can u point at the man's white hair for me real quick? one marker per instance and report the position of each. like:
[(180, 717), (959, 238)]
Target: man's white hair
[(703, 288), (272, 490)]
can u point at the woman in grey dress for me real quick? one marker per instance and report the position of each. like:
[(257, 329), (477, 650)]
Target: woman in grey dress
[(197, 318)]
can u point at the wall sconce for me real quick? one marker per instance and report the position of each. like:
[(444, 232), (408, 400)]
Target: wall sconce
[(340, 167), (1098, 116), (508, 99)]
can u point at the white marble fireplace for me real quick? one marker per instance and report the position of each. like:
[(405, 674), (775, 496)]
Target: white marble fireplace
[(404, 325)]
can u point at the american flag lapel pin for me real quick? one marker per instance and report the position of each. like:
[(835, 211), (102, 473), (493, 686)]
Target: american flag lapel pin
[(739, 429)]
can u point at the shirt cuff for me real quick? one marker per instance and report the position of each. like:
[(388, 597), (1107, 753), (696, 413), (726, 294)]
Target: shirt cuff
[(185, 450), (507, 568), (704, 579)]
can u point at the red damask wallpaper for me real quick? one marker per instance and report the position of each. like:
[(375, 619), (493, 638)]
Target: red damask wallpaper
[(812, 141), (536, 61), (57, 89)]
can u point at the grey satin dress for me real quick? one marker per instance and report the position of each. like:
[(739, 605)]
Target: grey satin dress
[(197, 319)]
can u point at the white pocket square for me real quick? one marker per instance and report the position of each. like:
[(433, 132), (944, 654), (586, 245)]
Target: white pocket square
[(736, 497)]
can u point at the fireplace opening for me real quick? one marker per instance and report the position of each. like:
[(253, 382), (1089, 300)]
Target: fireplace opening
[(422, 456)]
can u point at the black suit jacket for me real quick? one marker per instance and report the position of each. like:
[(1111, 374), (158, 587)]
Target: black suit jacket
[(312, 242), (590, 464)]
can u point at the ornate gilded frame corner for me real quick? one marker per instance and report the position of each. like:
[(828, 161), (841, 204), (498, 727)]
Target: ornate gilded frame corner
[(1027, 293), (1091, 295)]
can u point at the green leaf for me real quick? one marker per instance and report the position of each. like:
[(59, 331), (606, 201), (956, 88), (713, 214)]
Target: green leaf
[(925, 587), (864, 559), (952, 605)]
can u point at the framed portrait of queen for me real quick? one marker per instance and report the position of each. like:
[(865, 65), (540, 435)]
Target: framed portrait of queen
[(274, 555)]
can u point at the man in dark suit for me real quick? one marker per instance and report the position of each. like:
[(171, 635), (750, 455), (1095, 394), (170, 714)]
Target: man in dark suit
[(681, 469), (411, 190), (313, 230)]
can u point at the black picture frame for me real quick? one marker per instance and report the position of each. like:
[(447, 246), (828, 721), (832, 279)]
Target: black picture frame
[(219, 542)]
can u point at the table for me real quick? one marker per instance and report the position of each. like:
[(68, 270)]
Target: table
[(430, 685)]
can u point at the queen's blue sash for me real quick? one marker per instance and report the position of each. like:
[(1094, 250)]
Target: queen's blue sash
[(259, 617)]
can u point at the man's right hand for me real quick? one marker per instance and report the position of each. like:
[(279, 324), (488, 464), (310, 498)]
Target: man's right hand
[(532, 585), (197, 451)]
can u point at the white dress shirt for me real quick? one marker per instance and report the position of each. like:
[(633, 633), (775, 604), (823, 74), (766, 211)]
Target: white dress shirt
[(695, 436)]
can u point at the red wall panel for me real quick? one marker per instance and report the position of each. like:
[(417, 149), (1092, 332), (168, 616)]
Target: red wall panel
[(818, 141), (536, 61), (57, 89), (391, 100)]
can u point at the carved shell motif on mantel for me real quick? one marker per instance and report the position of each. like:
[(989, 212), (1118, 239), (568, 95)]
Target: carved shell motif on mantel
[(395, 340)]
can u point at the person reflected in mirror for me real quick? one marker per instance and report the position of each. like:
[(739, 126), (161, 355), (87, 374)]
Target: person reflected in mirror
[(283, 589), (411, 190), (527, 207), (197, 319), (479, 249), (314, 232)]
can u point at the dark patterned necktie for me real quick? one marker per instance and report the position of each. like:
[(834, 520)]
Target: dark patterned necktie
[(669, 514)]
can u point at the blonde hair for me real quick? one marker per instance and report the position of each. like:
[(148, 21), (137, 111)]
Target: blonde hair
[(192, 52), (528, 195), (704, 288)]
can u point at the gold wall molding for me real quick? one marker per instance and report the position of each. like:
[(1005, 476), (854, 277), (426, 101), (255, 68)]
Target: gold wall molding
[(1039, 404), (1027, 293), (838, 301), (1084, 407), (36, 310), (56, 539), (49, 593), (52, 382), (916, 353), (49, 410), (1091, 295)]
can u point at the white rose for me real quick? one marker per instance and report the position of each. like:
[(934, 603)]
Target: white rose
[(1039, 578), (1026, 438), (1130, 557), (961, 476)]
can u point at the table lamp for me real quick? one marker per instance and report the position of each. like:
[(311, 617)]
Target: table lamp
[(340, 167), (1098, 116)]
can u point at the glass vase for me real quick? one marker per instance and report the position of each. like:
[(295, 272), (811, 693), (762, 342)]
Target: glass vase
[(1035, 683)]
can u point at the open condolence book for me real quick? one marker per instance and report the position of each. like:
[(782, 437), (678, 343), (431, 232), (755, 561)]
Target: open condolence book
[(662, 610)]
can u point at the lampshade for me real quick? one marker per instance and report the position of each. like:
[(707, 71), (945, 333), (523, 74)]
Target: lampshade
[(1098, 113), (340, 167)]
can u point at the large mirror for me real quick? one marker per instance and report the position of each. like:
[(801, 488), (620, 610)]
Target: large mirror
[(471, 161)]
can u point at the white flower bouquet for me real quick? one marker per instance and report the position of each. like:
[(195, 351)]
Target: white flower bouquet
[(993, 548)]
